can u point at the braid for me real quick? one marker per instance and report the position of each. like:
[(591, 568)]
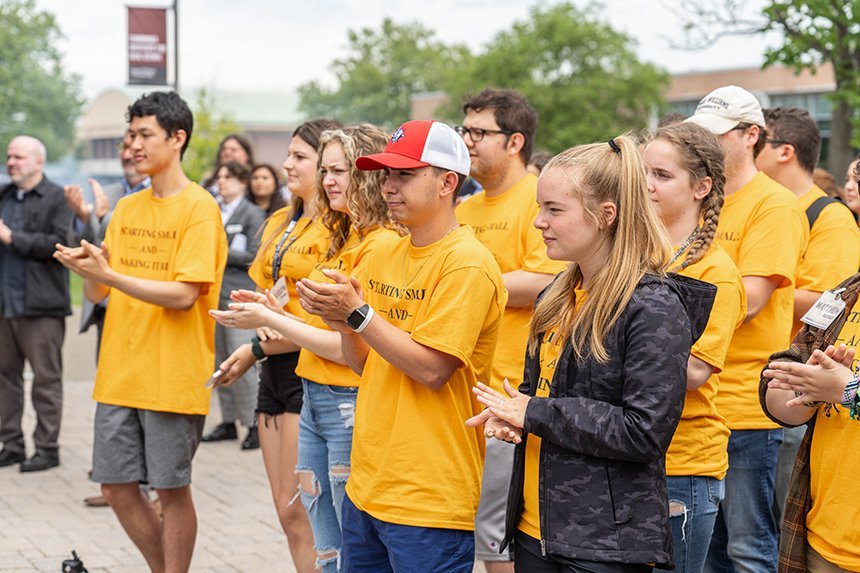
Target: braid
[(711, 207), (701, 154)]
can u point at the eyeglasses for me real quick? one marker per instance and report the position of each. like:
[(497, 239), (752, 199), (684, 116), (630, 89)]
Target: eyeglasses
[(477, 134), (779, 142)]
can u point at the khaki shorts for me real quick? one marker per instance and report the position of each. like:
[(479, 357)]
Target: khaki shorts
[(131, 445)]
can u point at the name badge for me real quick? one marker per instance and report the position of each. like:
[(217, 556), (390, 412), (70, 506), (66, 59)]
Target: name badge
[(234, 228), (826, 309), (280, 292)]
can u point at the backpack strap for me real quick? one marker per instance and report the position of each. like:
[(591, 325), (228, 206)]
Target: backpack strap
[(814, 210)]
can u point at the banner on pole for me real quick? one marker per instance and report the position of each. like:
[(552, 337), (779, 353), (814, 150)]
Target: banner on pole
[(147, 46)]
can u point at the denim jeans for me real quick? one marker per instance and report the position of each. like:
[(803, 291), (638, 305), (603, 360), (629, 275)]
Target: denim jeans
[(325, 443), (693, 505), (744, 539), (371, 545)]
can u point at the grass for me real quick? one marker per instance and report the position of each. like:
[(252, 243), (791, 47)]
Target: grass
[(76, 286)]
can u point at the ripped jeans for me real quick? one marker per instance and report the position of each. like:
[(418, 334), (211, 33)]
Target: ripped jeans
[(693, 505), (325, 443)]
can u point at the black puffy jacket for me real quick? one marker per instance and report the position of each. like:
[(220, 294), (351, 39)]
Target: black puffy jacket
[(605, 429)]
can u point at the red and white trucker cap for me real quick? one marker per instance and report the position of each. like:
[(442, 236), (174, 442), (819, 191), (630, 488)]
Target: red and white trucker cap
[(419, 144)]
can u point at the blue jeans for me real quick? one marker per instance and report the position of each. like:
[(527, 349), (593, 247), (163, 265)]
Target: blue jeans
[(693, 505), (374, 546), (745, 532), (325, 443)]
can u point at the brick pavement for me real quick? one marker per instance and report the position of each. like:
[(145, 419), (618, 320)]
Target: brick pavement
[(42, 515)]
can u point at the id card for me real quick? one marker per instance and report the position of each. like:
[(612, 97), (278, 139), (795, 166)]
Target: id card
[(213, 379), (825, 310), (280, 292)]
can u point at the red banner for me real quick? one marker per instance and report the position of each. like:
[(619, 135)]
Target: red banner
[(147, 46)]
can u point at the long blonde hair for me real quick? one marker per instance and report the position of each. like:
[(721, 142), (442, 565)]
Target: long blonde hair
[(604, 172), (365, 201), (699, 153)]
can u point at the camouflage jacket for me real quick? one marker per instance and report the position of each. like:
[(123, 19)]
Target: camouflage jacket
[(605, 429)]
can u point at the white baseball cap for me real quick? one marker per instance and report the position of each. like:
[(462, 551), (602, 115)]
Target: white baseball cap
[(420, 143), (724, 108)]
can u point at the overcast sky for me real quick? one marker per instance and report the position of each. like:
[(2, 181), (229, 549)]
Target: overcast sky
[(276, 45)]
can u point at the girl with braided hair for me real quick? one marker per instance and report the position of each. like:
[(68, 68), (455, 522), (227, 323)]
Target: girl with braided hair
[(685, 170)]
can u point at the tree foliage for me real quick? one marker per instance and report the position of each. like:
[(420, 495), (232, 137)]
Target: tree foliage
[(813, 32), (210, 127), (582, 76), (381, 72), (38, 96)]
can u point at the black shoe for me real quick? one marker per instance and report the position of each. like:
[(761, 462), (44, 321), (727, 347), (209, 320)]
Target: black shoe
[(252, 440), (8, 457), (40, 462), (222, 432)]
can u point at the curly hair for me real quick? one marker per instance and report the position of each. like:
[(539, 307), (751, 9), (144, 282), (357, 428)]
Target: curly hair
[(365, 201)]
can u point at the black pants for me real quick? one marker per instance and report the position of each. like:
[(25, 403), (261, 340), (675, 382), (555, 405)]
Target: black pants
[(528, 559)]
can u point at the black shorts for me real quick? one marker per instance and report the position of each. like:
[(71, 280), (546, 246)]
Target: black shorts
[(280, 389)]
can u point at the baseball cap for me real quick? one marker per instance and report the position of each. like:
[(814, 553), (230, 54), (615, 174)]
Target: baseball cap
[(421, 143), (724, 108)]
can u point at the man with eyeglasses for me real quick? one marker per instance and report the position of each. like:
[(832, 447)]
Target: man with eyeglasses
[(499, 129), (833, 253), (764, 230)]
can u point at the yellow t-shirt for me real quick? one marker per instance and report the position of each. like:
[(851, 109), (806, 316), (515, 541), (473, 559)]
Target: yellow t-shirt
[(699, 446), (414, 461), (152, 357), (529, 524), (833, 252), (764, 231), (348, 262), (505, 225), (302, 249), (550, 351), (832, 523)]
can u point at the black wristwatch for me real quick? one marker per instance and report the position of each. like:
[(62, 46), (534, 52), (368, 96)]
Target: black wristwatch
[(360, 318), (257, 349)]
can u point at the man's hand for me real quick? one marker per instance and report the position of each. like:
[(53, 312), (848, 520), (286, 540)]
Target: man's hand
[(87, 260), (77, 202), (5, 233), (334, 301), (102, 206)]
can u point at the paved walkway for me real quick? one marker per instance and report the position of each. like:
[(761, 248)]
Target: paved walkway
[(42, 516)]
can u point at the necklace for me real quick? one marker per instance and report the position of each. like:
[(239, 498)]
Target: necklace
[(686, 245), (406, 283)]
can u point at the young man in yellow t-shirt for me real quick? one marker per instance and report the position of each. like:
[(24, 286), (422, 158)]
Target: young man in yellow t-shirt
[(833, 252), (764, 231), (162, 263), (499, 130), (420, 324)]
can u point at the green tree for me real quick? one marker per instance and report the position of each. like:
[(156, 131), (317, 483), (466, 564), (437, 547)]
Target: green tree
[(38, 96), (210, 127), (813, 32), (582, 76), (383, 70)]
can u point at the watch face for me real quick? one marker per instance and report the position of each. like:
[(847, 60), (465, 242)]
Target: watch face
[(357, 316)]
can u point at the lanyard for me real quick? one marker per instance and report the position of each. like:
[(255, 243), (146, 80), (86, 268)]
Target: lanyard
[(280, 251)]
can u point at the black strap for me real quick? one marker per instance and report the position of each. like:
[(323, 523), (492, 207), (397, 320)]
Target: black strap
[(814, 210)]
